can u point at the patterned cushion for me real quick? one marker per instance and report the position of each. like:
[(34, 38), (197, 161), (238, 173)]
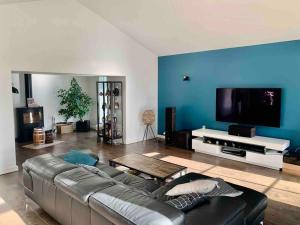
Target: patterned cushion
[(188, 201)]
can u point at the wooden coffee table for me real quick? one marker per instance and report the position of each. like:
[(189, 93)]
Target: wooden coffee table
[(155, 168)]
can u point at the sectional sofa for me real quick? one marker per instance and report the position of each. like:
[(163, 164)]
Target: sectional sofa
[(75, 196)]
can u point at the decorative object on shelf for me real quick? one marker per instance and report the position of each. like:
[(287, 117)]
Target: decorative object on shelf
[(38, 136), (186, 77), (116, 91), (76, 104), (108, 93), (110, 112), (117, 105), (148, 119), (31, 103)]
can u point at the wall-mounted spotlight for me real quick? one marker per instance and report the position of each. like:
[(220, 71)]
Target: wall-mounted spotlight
[(186, 78)]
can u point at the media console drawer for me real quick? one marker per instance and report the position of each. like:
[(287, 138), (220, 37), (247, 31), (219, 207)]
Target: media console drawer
[(269, 160), (199, 146)]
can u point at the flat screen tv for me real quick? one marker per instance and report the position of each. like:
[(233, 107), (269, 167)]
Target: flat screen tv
[(253, 106)]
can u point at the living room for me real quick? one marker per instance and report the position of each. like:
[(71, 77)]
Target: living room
[(178, 62)]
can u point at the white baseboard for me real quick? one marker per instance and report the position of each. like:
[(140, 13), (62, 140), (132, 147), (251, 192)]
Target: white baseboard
[(9, 170)]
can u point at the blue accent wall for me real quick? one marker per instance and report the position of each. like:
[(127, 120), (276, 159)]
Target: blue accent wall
[(268, 65)]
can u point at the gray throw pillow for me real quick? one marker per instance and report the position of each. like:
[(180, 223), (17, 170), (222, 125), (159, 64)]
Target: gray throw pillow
[(187, 202), (201, 186), (95, 170)]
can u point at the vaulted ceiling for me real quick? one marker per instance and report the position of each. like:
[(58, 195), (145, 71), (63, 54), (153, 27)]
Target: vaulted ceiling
[(2, 2), (169, 27), (178, 26)]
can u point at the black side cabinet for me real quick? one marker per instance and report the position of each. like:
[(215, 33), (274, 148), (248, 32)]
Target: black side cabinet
[(184, 139)]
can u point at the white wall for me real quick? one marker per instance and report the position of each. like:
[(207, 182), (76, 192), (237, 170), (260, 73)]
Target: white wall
[(18, 99), (7, 144), (91, 91), (45, 87), (61, 36)]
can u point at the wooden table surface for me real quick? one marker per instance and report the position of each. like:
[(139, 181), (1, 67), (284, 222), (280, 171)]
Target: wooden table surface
[(150, 166)]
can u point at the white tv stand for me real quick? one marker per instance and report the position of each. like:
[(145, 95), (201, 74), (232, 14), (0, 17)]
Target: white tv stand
[(213, 141)]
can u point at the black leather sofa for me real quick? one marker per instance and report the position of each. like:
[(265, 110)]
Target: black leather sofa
[(75, 196)]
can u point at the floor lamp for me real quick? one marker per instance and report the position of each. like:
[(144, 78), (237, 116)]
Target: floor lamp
[(148, 119)]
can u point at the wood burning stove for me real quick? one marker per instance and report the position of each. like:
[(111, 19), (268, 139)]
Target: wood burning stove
[(27, 120)]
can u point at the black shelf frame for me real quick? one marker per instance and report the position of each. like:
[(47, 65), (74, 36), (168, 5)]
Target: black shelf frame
[(109, 112)]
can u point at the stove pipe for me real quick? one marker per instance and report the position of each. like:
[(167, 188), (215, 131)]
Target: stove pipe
[(28, 87)]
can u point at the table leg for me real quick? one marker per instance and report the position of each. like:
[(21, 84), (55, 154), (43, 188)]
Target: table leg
[(111, 163)]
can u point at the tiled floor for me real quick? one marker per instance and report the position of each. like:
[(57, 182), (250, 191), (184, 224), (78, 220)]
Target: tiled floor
[(282, 189)]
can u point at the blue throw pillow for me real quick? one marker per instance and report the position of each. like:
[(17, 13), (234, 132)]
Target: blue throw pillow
[(77, 157)]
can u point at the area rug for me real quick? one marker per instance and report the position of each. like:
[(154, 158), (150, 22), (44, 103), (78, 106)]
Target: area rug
[(35, 147)]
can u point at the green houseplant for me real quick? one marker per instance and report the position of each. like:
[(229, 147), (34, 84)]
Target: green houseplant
[(76, 104)]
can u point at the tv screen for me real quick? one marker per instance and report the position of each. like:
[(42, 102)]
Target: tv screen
[(255, 106)]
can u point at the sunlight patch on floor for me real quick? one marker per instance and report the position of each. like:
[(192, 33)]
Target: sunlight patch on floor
[(287, 192), (9, 216), (151, 154), (284, 197), (288, 186), (188, 163), (242, 175)]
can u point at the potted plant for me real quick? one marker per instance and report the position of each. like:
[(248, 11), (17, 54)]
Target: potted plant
[(76, 104)]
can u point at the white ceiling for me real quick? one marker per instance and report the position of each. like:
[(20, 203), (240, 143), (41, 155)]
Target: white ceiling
[(177, 26), (2, 2)]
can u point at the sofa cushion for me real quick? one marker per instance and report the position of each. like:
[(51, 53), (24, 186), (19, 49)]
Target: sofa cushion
[(119, 202), (47, 166), (111, 171), (81, 184), (137, 182)]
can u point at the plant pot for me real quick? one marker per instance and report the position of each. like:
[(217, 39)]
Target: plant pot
[(83, 126)]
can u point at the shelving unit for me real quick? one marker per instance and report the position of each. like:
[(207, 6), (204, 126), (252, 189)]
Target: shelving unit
[(110, 112)]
